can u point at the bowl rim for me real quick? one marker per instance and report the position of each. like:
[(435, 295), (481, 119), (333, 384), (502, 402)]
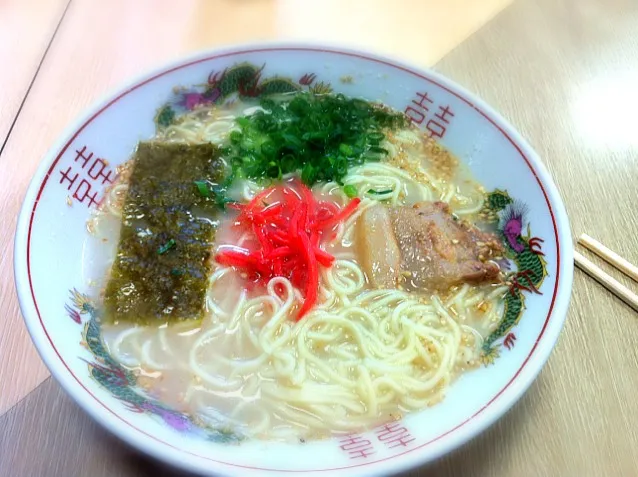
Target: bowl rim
[(410, 458)]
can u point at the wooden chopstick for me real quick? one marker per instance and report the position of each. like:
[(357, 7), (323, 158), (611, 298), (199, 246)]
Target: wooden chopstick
[(609, 256), (613, 285)]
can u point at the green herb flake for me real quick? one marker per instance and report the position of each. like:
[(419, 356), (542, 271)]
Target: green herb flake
[(220, 197), (202, 188), (379, 192), (166, 247), (222, 202), (350, 191)]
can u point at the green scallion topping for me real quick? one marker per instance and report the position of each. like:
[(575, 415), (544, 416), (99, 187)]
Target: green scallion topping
[(350, 190), (221, 199), (166, 247), (378, 150), (202, 188), (215, 192), (376, 137), (379, 192), (320, 135)]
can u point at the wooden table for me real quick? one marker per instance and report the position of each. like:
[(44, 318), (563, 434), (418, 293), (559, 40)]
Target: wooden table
[(564, 72)]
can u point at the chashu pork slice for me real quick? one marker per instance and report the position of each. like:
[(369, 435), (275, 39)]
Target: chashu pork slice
[(435, 250), (377, 247)]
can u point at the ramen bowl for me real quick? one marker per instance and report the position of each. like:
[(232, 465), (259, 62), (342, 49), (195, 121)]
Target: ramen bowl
[(55, 276)]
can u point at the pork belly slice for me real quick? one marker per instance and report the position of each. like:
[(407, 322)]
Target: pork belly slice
[(435, 250), (377, 247)]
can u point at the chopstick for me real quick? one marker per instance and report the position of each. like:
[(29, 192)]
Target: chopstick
[(613, 285), (609, 256)]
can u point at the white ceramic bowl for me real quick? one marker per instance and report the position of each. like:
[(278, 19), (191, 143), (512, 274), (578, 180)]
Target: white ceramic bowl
[(52, 273)]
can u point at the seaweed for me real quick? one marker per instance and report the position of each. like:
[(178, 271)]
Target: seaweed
[(161, 269)]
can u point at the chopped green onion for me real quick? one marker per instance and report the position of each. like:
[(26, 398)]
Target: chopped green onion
[(379, 192), (376, 137), (350, 190), (292, 139), (202, 188), (378, 150), (166, 247), (321, 136), (235, 137), (223, 201), (308, 174), (243, 121), (346, 150), (176, 272), (219, 195)]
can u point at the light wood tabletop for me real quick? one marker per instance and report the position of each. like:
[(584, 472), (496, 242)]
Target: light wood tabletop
[(26, 30), (564, 72)]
